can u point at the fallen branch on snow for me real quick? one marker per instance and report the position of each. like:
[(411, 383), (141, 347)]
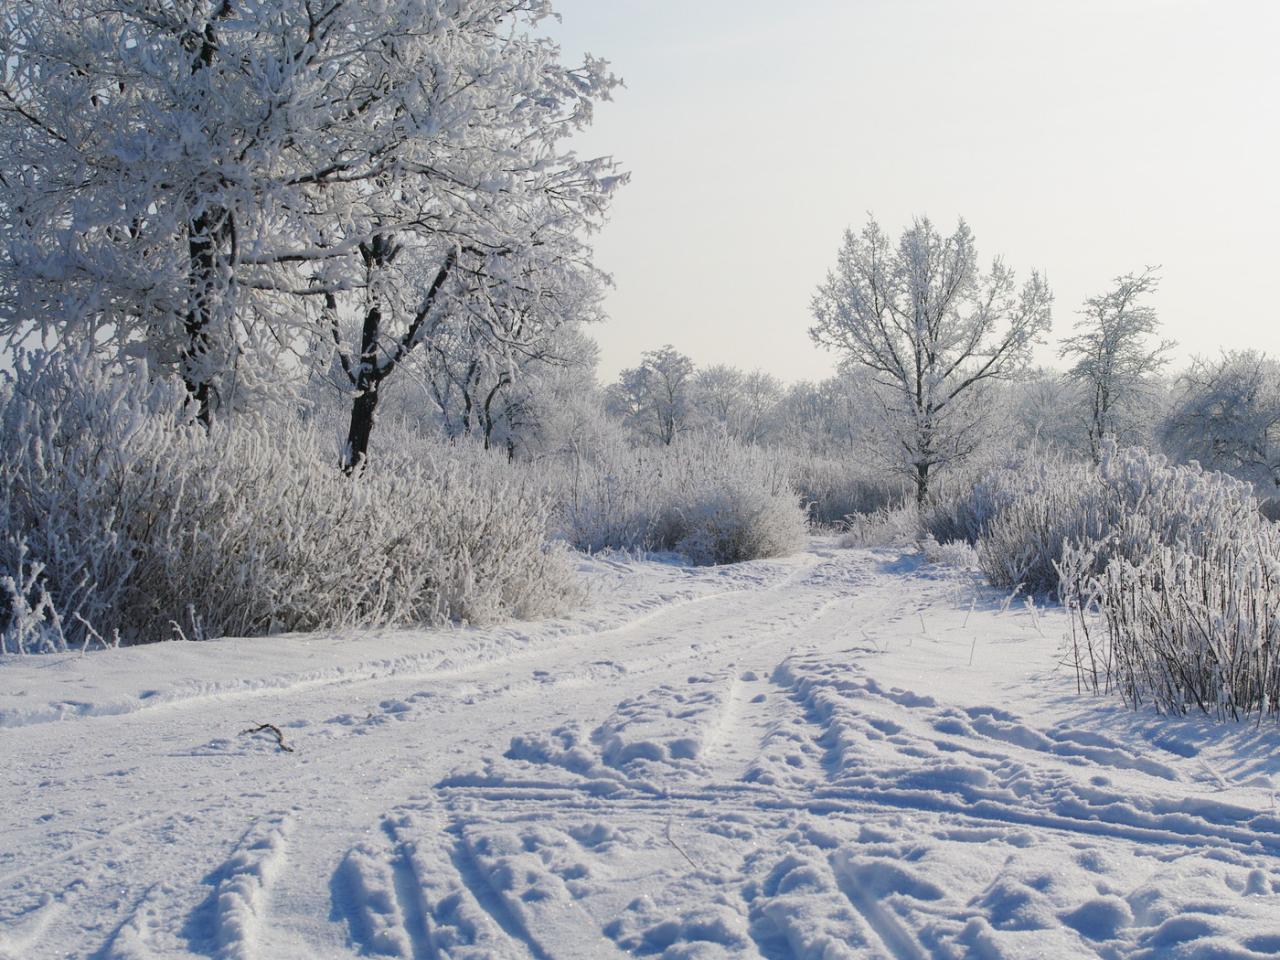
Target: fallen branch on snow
[(274, 731)]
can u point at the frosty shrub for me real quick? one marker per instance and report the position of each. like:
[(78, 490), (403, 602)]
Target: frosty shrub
[(886, 527), (1181, 613), (837, 489), (955, 553), (1131, 505), (120, 521), (965, 503), (712, 499), (1170, 573), (1192, 625)]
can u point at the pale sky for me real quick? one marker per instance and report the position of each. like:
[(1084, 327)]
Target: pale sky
[(1086, 138)]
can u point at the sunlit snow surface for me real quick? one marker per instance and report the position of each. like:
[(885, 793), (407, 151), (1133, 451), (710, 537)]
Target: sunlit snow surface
[(841, 754)]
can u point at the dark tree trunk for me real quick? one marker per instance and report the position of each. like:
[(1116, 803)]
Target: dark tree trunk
[(367, 374), (362, 411), (202, 250), (367, 379), (922, 483), (207, 233)]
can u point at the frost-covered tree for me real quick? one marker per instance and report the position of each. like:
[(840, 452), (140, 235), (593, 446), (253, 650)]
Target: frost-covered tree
[(1113, 359), (716, 395), (193, 180), (741, 405), (1039, 412), (933, 328), (1227, 416), (654, 398), (761, 393), (827, 418), (503, 400)]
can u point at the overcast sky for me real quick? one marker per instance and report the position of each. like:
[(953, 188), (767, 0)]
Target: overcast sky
[(1086, 138)]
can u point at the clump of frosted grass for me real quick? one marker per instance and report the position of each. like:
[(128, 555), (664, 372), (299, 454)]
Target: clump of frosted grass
[(835, 490), (707, 497), (1170, 573), (1178, 606), (120, 519)]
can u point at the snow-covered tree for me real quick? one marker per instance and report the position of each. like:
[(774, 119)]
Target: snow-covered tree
[(654, 398), (829, 417), (933, 328), (740, 405), (193, 180), (1113, 359), (503, 400), (1227, 416), (716, 395), (1040, 412), (756, 421)]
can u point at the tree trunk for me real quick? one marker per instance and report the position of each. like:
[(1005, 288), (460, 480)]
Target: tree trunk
[(202, 251), (367, 379), (922, 483), (362, 410), (205, 235)]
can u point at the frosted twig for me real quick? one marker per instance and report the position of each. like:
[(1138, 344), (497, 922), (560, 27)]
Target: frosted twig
[(679, 849)]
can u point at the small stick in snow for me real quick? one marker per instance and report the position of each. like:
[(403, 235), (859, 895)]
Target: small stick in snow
[(273, 730), (679, 848), (972, 603), (972, 647), (867, 637)]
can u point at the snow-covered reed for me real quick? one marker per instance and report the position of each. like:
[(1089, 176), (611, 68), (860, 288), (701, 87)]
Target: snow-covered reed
[(1179, 604), (1129, 506), (1194, 625), (120, 521), (835, 490), (887, 527), (707, 497), (1170, 573)]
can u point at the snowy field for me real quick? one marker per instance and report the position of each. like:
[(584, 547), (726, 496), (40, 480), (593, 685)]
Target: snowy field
[(841, 754)]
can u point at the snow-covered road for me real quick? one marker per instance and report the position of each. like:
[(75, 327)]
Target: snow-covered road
[(840, 754)]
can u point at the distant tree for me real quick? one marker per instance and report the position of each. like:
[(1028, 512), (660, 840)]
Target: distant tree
[(933, 328), (500, 400), (716, 396), (741, 405), (1040, 412), (654, 398), (1227, 416), (1112, 358), (761, 394)]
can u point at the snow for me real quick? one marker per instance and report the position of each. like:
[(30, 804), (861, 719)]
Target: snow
[(840, 754)]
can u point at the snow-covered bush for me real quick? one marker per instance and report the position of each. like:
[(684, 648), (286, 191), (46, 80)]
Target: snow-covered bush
[(953, 553), (710, 498), (1192, 622), (886, 527), (965, 506), (1196, 624), (1170, 572), (1131, 505), (120, 519), (836, 489)]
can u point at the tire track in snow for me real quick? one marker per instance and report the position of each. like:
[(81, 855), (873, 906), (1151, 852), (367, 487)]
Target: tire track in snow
[(473, 876), (406, 887), (856, 882)]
